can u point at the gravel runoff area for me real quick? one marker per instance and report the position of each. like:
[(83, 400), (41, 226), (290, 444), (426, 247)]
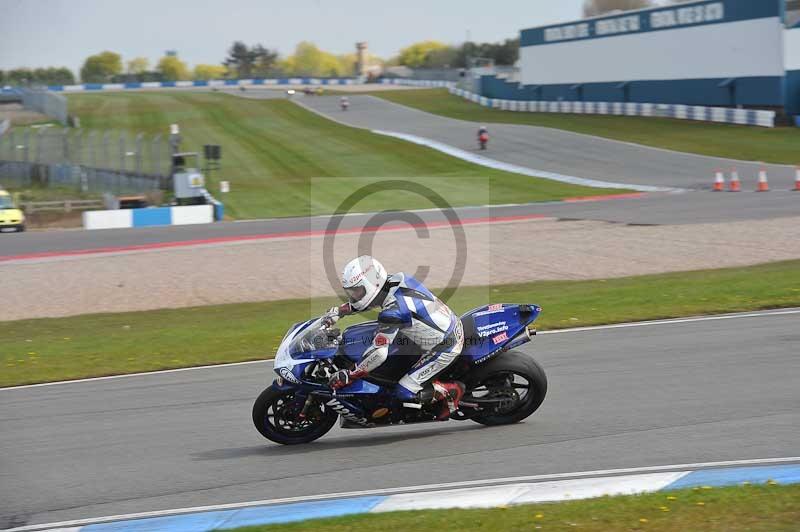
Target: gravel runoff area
[(20, 116), (284, 268)]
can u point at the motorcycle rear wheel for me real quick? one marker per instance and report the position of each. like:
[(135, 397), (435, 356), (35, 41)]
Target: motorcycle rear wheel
[(274, 415), (508, 375)]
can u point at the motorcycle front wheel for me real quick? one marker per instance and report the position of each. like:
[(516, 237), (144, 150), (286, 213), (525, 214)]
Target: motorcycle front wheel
[(276, 415)]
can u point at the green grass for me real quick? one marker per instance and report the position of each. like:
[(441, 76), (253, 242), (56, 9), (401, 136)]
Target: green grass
[(778, 145), (273, 150), (51, 349), (56, 193), (767, 508)]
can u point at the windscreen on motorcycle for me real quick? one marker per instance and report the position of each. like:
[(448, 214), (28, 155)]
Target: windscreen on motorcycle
[(311, 338)]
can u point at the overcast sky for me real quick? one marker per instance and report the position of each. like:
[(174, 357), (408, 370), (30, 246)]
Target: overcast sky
[(38, 33)]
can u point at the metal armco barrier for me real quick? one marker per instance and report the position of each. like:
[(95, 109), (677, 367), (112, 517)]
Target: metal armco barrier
[(201, 83), (727, 115)]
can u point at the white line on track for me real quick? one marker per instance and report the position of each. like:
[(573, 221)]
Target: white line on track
[(409, 489), (674, 321), (587, 136), (486, 161)]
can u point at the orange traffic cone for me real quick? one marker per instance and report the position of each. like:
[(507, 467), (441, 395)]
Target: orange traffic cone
[(797, 180), (719, 181), (763, 186), (735, 185)]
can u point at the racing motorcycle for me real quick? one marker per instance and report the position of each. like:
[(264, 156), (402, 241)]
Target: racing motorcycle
[(503, 386), (483, 140)]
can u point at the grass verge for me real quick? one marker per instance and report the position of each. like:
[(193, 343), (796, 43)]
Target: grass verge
[(52, 349), (273, 149), (773, 145), (772, 508)]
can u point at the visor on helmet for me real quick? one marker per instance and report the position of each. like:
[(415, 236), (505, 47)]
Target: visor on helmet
[(356, 293)]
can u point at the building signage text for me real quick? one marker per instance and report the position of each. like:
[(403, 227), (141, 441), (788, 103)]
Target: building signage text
[(667, 18)]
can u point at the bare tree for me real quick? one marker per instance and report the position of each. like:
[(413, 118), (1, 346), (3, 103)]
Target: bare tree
[(593, 8)]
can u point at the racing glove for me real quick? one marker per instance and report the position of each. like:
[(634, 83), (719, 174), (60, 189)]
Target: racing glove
[(340, 379), (335, 313)]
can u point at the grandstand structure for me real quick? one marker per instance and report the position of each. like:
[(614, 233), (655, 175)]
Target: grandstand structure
[(720, 53)]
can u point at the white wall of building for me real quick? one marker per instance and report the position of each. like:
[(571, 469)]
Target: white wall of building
[(734, 49), (791, 47)]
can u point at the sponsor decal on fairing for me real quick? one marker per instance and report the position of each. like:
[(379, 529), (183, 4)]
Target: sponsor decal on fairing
[(491, 309), (500, 338), (287, 374), (345, 412), (491, 329)]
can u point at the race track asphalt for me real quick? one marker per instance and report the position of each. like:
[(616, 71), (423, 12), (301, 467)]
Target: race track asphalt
[(623, 397), (551, 150), (649, 209), (540, 148)]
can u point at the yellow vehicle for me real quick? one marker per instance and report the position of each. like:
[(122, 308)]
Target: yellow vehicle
[(10, 216)]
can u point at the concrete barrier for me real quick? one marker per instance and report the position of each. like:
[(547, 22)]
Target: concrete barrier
[(196, 214), (148, 217), (108, 219)]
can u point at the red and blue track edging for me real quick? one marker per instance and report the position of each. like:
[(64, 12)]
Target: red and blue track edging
[(523, 490), (303, 234)]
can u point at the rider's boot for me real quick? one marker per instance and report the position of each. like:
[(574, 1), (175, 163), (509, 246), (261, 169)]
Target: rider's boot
[(446, 393)]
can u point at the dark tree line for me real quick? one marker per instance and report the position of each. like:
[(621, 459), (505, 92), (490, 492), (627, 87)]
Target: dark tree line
[(37, 76), (433, 54), (255, 61), (502, 53), (251, 61)]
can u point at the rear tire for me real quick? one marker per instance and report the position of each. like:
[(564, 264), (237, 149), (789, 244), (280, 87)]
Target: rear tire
[(275, 399), (512, 363)]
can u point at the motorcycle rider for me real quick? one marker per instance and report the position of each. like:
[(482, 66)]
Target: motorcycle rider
[(344, 102), (411, 311), (483, 136)]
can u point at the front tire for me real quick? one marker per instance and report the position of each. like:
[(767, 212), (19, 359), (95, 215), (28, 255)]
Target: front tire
[(275, 416), (510, 373)]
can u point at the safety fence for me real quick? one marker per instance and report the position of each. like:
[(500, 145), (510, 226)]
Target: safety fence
[(19, 174), (201, 83), (431, 83), (113, 150), (729, 115), (93, 161)]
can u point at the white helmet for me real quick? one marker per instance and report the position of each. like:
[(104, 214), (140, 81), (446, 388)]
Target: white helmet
[(362, 279)]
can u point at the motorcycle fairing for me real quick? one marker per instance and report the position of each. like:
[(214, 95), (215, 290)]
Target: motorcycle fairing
[(488, 330), (289, 365), (357, 338), (493, 328), (360, 386)]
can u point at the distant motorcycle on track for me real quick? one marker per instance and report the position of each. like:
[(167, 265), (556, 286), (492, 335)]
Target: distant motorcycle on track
[(503, 386), (483, 138)]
